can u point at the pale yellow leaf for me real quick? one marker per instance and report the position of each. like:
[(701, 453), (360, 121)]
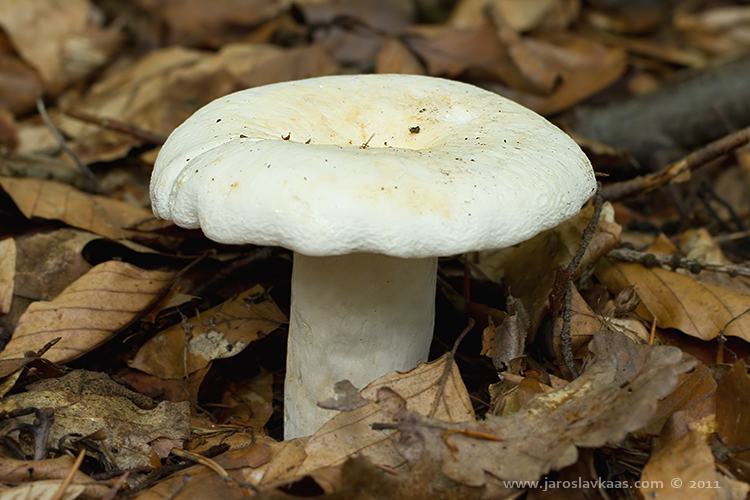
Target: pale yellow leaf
[(42, 490), (88, 312), (7, 273), (52, 200)]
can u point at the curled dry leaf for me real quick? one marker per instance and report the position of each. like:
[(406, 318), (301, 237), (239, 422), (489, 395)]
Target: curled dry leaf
[(221, 332), (350, 433), (88, 312), (51, 200), (117, 423), (589, 412), (676, 301)]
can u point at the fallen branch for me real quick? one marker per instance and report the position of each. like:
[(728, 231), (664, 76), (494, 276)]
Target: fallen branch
[(668, 174), (677, 262), (106, 123)]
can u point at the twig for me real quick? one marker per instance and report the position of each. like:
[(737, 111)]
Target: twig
[(45, 417), (566, 339), (218, 469), (117, 486), (109, 124), (448, 368), (69, 478), (707, 153), (677, 262), (64, 145)]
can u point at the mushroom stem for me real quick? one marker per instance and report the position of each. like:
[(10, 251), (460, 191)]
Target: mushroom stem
[(356, 317)]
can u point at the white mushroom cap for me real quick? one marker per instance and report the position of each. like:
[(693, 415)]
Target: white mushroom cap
[(448, 168)]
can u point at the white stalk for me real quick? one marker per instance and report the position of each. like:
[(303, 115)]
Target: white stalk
[(356, 317)]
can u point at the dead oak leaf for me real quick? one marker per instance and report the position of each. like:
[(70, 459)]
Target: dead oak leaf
[(52, 200), (589, 412), (88, 312)]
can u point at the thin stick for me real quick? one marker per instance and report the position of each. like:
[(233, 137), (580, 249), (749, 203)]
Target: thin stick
[(677, 262), (697, 158), (566, 339), (64, 145), (69, 478), (448, 368), (106, 123)]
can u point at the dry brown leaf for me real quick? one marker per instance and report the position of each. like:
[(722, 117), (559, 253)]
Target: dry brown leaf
[(7, 273), (677, 301), (510, 337), (184, 389), (733, 408), (19, 85), (49, 262), (52, 200), (526, 15), (694, 397), (24, 20), (692, 389), (196, 22), (221, 332), (349, 433), (127, 429), (588, 412), (527, 270), (43, 490), (17, 471), (449, 51), (674, 472), (698, 244), (585, 67), (719, 30), (162, 89), (249, 402), (88, 312), (394, 57), (201, 483)]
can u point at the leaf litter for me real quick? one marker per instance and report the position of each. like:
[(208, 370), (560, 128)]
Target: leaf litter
[(127, 338)]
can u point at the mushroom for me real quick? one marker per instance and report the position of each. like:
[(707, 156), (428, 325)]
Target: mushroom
[(368, 179)]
